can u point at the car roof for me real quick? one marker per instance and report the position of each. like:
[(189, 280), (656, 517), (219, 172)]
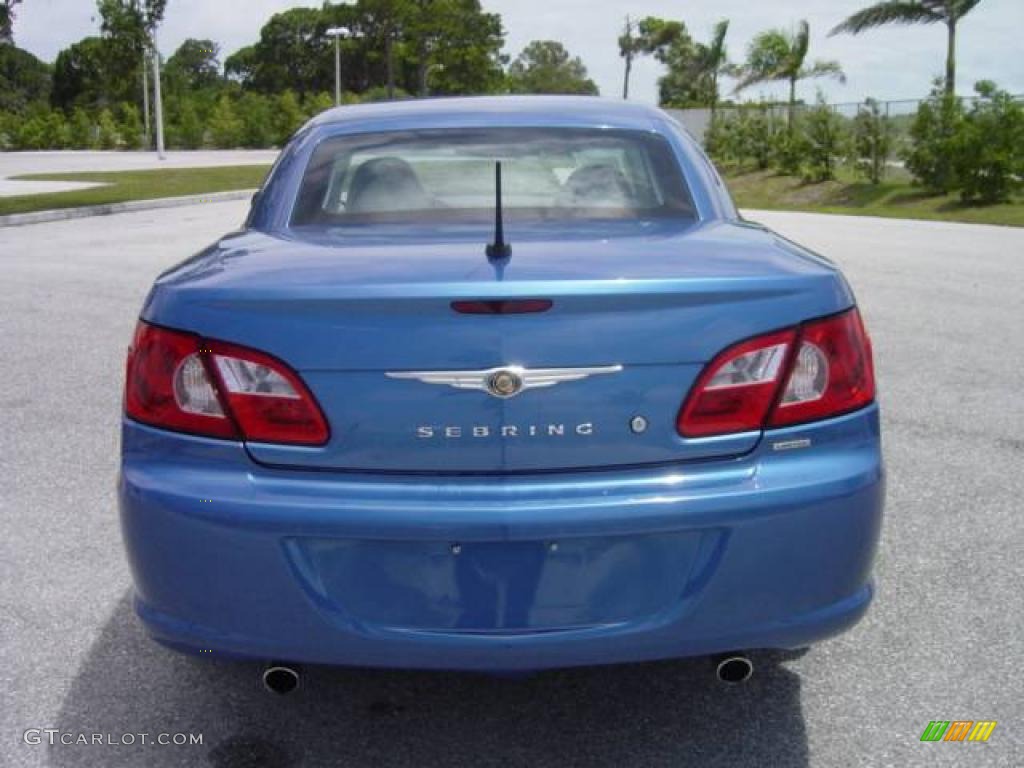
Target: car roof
[(511, 110)]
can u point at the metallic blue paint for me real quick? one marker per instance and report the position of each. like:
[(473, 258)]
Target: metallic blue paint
[(382, 549)]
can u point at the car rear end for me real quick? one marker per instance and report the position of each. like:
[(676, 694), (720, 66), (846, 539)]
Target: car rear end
[(352, 438)]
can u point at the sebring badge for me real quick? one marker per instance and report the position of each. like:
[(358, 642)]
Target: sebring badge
[(507, 381)]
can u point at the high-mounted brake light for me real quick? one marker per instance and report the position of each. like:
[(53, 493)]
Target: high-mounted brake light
[(817, 370), (502, 306), (178, 381)]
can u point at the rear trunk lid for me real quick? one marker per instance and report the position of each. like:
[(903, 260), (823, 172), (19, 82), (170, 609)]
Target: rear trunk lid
[(369, 325)]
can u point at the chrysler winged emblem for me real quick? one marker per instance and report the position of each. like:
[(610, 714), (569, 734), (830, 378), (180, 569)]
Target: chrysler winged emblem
[(506, 381)]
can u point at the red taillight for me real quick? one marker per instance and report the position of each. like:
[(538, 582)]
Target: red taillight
[(267, 399), (832, 372), (735, 391), (168, 385), (178, 381), (817, 370)]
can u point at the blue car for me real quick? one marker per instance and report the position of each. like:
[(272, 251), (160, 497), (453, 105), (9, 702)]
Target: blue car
[(499, 384)]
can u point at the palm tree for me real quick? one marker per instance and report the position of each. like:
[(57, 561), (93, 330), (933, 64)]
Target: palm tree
[(649, 36), (716, 60), (949, 12), (7, 20), (780, 55), (629, 47)]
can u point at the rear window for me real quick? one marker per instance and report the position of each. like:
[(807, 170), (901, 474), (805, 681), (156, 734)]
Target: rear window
[(447, 176)]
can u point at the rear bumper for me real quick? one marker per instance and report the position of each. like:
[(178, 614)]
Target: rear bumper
[(772, 550)]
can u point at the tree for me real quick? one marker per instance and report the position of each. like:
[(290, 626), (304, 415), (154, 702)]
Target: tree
[(778, 55), (407, 46), (948, 12), (127, 27), (383, 21), (544, 66), (456, 47), (692, 69), (670, 44), (289, 54), (24, 79), (80, 74), (106, 70), (241, 65), (195, 64), (7, 21)]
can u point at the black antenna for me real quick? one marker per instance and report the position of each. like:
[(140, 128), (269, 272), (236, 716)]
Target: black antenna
[(499, 249)]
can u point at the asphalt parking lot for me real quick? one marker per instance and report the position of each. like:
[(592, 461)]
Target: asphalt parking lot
[(944, 640)]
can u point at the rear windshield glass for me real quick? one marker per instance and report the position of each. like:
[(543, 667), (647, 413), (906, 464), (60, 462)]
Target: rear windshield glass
[(447, 176)]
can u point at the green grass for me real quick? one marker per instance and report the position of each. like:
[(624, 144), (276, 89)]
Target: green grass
[(895, 197), (135, 185)]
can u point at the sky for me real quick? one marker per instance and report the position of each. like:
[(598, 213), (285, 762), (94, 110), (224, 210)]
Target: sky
[(889, 64)]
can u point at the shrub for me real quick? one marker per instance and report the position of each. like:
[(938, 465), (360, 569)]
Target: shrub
[(824, 140), (789, 146), (109, 138), (257, 120), (757, 133), (7, 137), (83, 132), (716, 139), (31, 133), (872, 141), (225, 127), (988, 155), (933, 135), (189, 130), (316, 103), (40, 128), (129, 125), (58, 132), (288, 117), (745, 139)]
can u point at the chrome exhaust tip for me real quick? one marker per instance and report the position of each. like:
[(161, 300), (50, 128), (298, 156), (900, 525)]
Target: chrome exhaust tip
[(734, 669), (280, 679)]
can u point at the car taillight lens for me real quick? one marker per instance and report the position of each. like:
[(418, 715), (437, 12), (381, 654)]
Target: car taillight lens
[(832, 372), (735, 391), (817, 370), (178, 381), (267, 399)]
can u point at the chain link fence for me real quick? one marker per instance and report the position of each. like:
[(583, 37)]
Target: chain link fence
[(900, 114)]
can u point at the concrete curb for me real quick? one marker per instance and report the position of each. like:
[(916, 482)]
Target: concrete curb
[(62, 214)]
